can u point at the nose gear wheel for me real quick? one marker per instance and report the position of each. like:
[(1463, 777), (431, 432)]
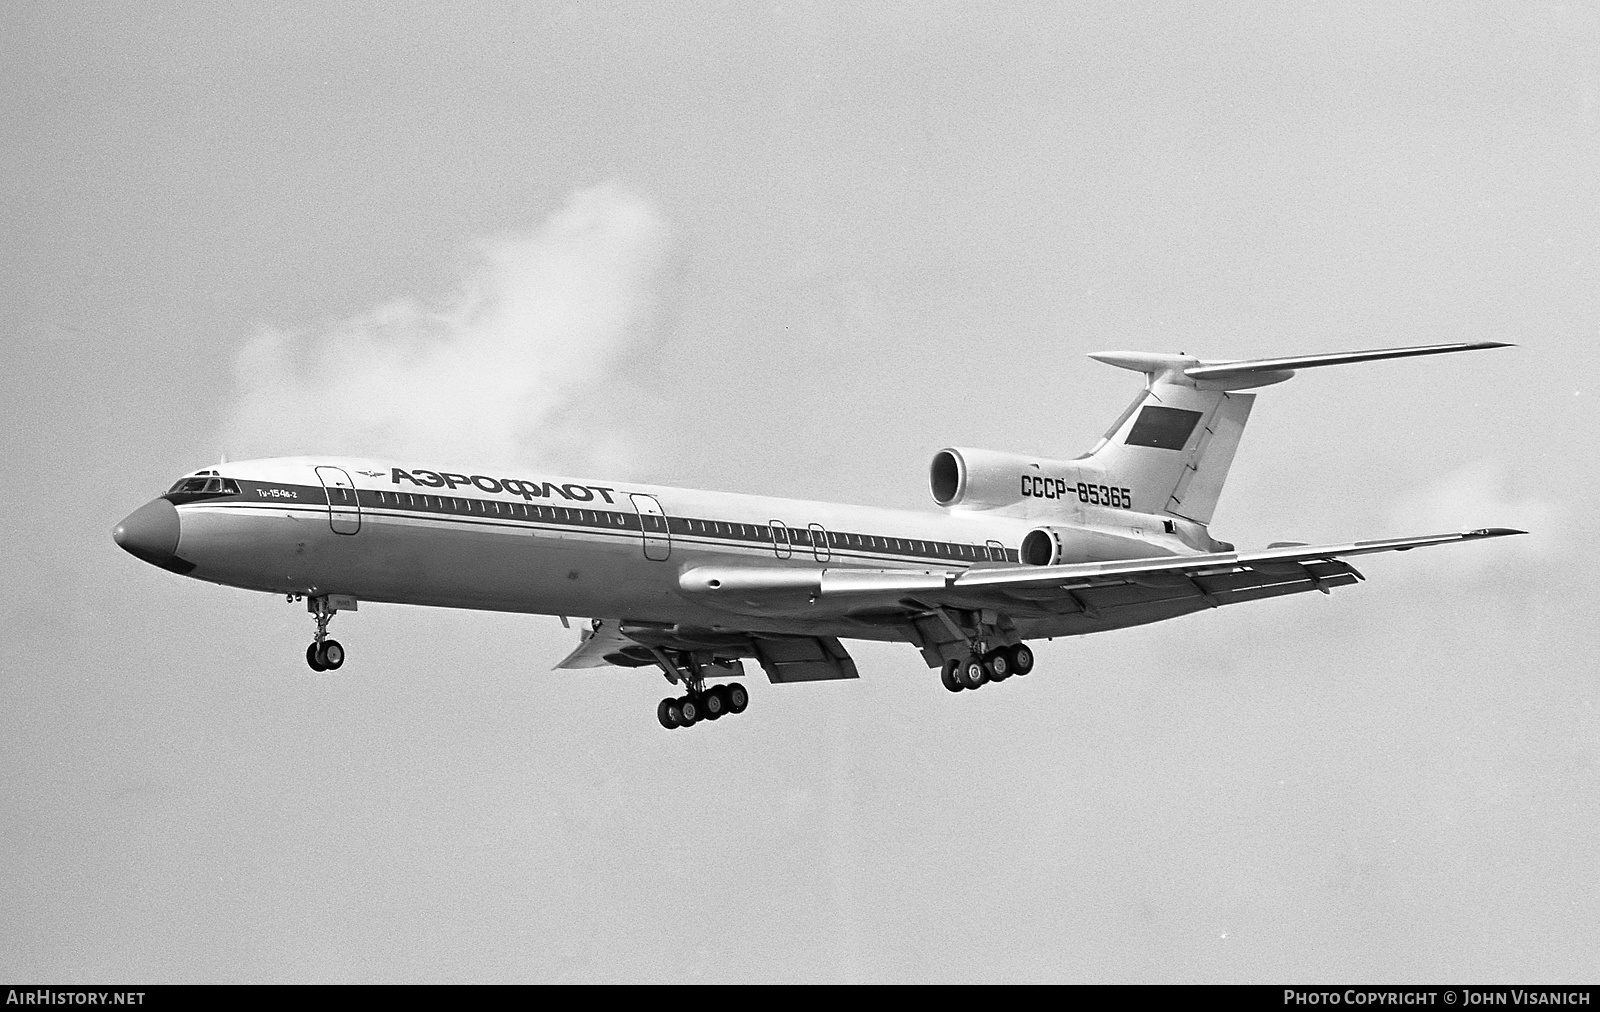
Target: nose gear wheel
[(323, 654)]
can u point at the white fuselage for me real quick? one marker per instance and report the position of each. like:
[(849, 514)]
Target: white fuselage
[(553, 545)]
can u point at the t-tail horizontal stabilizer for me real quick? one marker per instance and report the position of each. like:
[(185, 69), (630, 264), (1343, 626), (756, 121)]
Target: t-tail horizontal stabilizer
[(1174, 444), (1245, 373)]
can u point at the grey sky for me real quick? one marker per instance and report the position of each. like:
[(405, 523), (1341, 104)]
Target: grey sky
[(796, 249)]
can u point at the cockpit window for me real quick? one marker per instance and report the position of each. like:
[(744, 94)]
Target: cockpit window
[(213, 486)]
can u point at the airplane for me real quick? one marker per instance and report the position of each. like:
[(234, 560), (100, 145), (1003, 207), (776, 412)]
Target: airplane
[(695, 582)]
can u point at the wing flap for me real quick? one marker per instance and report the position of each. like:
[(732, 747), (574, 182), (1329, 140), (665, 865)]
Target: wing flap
[(803, 659)]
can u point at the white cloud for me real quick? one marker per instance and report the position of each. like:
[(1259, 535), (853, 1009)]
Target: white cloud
[(1478, 494), (482, 378)]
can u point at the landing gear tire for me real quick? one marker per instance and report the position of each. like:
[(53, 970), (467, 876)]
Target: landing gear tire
[(667, 713), (998, 664), (738, 698), (1021, 657), (972, 673), (716, 701), (331, 654), (689, 711), (323, 654), (949, 676)]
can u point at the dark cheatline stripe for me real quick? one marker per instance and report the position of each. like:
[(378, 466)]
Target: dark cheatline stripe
[(524, 514)]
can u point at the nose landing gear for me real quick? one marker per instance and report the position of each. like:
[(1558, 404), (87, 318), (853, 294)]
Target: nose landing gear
[(326, 654)]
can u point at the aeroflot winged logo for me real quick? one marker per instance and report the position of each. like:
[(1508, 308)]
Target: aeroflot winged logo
[(516, 486)]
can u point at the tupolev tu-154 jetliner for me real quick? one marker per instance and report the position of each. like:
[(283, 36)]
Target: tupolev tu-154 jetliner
[(694, 582)]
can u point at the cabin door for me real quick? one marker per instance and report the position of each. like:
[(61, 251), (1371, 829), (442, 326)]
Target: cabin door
[(344, 510)]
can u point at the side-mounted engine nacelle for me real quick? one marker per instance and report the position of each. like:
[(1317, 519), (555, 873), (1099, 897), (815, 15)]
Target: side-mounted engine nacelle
[(984, 479), (1055, 546), (1159, 536)]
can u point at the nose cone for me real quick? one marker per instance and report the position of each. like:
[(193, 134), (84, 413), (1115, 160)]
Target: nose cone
[(151, 533)]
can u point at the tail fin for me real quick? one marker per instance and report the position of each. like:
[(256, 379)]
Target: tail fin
[(1174, 444)]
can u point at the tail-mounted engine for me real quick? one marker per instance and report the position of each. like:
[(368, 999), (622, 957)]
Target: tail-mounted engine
[(985, 479), (1145, 537), (1055, 546)]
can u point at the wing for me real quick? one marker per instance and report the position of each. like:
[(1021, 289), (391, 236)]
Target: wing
[(637, 644), (603, 644), (1096, 590)]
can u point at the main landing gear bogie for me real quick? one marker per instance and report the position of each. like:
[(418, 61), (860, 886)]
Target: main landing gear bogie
[(976, 670), (710, 704)]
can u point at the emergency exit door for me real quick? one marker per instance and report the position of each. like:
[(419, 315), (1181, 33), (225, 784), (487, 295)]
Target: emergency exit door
[(653, 527)]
